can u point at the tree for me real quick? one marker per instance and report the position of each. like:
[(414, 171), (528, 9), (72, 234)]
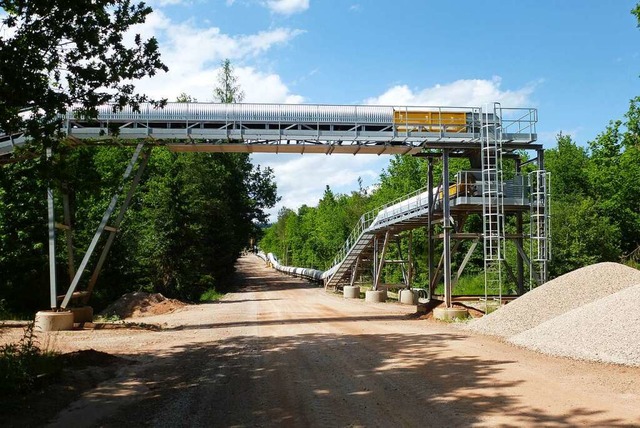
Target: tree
[(228, 90), (569, 165), (60, 53), (186, 98)]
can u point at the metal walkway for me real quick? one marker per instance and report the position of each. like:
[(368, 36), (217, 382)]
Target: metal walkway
[(292, 128)]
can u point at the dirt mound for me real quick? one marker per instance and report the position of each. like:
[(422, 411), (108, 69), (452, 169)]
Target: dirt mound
[(606, 330), (91, 358), (141, 304), (557, 297)]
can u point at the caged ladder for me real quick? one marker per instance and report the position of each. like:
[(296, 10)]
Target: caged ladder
[(540, 227), (492, 202)]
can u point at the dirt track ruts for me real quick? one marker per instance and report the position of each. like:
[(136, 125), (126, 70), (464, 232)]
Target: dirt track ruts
[(281, 352)]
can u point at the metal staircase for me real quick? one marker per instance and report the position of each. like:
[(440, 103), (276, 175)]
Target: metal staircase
[(492, 201), (409, 210)]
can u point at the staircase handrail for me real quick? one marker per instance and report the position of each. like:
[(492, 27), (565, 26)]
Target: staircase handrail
[(365, 223)]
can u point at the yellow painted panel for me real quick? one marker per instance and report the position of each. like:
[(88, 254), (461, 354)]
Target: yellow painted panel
[(430, 121)]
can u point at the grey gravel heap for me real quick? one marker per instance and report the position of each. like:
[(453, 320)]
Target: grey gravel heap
[(607, 330), (557, 297)]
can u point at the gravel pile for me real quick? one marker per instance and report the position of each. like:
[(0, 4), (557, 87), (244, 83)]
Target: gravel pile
[(557, 297), (607, 330)]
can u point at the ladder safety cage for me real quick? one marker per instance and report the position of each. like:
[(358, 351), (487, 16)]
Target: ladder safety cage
[(540, 225), (492, 201)]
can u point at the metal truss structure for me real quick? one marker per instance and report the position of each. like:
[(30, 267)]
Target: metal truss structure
[(484, 136)]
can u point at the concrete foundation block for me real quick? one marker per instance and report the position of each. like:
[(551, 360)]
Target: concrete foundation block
[(450, 314), (375, 296), (351, 292), (82, 314), (408, 297), (54, 321)]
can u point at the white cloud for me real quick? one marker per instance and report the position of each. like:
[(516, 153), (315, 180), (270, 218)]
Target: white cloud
[(468, 92), (264, 87), (287, 7), (193, 55), (301, 179)]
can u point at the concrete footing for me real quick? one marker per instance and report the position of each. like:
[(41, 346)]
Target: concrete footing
[(54, 321), (351, 292), (375, 296), (82, 314), (449, 314), (408, 297)]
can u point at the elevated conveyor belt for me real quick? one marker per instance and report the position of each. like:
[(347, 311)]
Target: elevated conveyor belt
[(293, 128)]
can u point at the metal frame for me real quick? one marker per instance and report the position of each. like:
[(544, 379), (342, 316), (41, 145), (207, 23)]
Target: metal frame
[(492, 196), (286, 128), (329, 129), (101, 227)]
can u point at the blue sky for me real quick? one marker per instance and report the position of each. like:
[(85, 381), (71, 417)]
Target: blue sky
[(577, 62)]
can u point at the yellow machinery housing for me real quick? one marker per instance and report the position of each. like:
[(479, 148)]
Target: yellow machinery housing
[(430, 121)]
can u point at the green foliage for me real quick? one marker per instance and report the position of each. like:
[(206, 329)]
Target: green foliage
[(189, 220), (228, 90), (23, 363), (470, 284), (211, 295), (55, 54)]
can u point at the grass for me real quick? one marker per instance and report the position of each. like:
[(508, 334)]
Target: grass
[(211, 295), (24, 365)]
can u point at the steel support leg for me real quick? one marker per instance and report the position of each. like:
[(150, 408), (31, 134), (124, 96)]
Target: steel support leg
[(519, 259), (354, 272), (52, 239), (381, 263), (410, 267), (446, 213), (430, 242), (68, 233), (466, 259), (519, 241), (112, 232), (103, 224), (401, 257)]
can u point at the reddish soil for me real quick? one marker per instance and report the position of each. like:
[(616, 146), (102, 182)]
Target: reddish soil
[(140, 304), (283, 352)]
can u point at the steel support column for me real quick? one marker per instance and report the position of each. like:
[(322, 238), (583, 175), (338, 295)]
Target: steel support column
[(430, 243), (401, 257), (380, 266), (446, 213), (52, 237), (68, 232), (410, 267), (520, 240), (354, 271)]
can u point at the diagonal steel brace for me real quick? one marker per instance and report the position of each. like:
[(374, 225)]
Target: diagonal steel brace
[(101, 227)]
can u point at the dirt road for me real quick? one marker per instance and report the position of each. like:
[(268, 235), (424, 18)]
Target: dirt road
[(281, 352)]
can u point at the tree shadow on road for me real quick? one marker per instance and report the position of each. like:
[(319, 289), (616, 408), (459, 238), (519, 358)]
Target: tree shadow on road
[(321, 380)]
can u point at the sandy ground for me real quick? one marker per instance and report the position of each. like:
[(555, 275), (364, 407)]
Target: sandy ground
[(282, 352)]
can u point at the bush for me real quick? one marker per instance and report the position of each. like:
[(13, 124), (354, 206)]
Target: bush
[(24, 364), (211, 295)]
